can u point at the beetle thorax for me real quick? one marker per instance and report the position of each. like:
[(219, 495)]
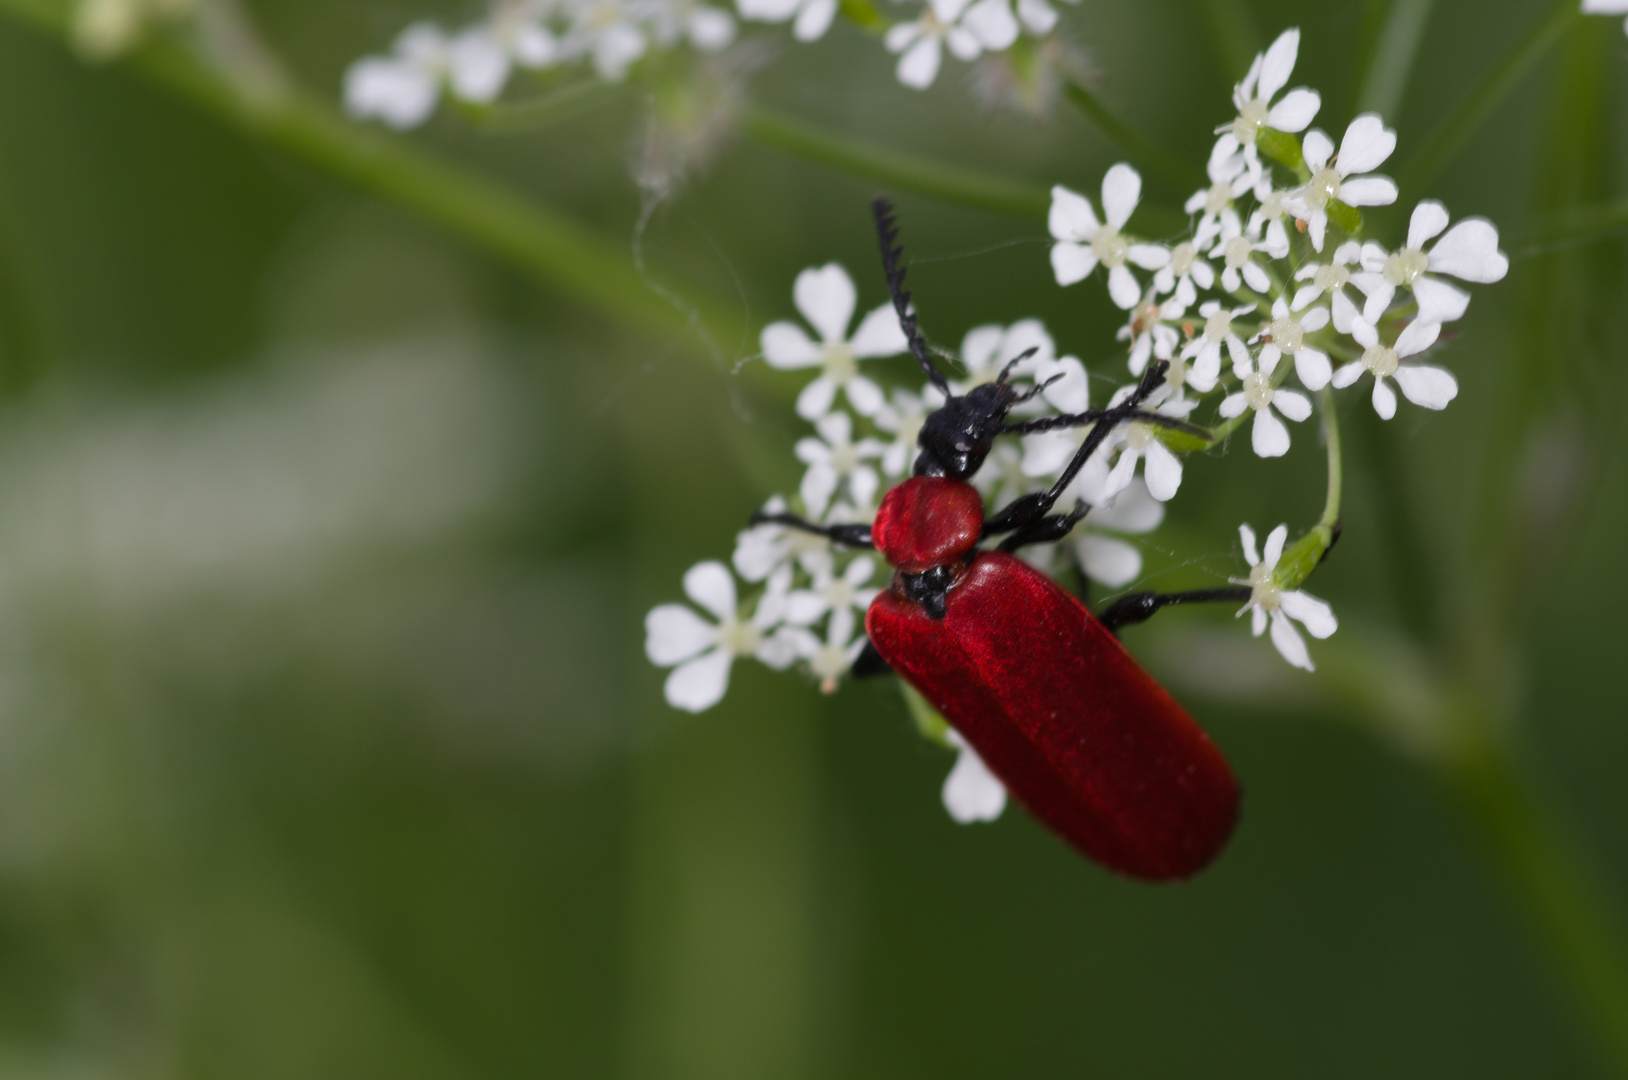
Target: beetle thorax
[(928, 521)]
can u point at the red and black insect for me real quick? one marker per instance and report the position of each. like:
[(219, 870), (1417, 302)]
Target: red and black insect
[(1080, 734)]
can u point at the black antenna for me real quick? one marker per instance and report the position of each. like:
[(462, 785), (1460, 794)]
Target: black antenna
[(888, 234)]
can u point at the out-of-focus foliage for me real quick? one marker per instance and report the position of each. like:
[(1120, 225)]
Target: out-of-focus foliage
[(327, 747)]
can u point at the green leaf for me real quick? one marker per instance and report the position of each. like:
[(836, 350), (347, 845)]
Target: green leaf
[(864, 13), (1183, 442)]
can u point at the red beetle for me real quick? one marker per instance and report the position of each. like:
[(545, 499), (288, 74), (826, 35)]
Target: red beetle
[(1078, 732)]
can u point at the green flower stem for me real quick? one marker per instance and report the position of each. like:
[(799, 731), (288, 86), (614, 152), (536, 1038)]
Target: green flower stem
[(949, 183), (547, 245), (1336, 459), (1306, 554), (1179, 174), (1456, 130)]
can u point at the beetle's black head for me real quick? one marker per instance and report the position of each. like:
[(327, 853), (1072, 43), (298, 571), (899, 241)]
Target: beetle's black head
[(957, 436)]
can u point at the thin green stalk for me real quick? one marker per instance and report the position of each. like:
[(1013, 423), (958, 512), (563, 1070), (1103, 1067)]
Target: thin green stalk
[(1393, 56), (547, 245), (1456, 130), (1174, 171), (1561, 900), (1336, 461), (950, 183)]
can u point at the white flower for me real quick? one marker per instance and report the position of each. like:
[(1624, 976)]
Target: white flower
[(971, 791), (480, 58), (1606, 7), (813, 16), (1103, 557), (830, 592), (1083, 241), (967, 30), (1286, 336), (833, 458), (1184, 274), (1002, 478), (1068, 390), (1423, 384), (986, 350), (1236, 247), (763, 549), (1253, 97), (1468, 252), (703, 651), (401, 89), (1332, 277), (1137, 440), (707, 28), (901, 416), (610, 33), (831, 660), (825, 295), (1271, 603), (1269, 437), (1148, 335), (1230, 176), (1206, 347), (1366, 146)]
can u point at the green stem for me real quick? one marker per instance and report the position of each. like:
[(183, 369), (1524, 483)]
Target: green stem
[(489, 214), (1451, 136), (1172, 169), (1393, 56), (965, 187), (1336, 462), (1560, 899)]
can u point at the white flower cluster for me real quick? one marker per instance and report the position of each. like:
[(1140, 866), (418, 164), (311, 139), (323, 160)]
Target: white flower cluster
[(475, 63), (1260, 289)]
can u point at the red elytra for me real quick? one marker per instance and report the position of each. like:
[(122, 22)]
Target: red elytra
[(1079, 733)]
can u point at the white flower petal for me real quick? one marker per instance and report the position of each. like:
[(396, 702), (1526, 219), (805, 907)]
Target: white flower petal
[(1233, 405), (1071, 392), (398, 93), (1273, 550), (1121, 191), (1346, 374), (1162, 469), (1384, 399), (1345, 312), (1038, 16), (711, 586), (1470, 252), (1314, 614), (1256, 278), (1132, 511), (1122, 288), (673, 633), (1439, 301), (1071, 216), (918, 67), (971, 791), (814, 20), (1072, 262), (1428, 220), (1416, 337), (1294, 405), (787, 347), (825, 295), (865, 396), (1247, 536), (1289, 643), (1426, 385), (1368, 191), (699, 684), (1278, 64), (1269, 437), (1119, 477), (816, 398), (1366, 146), (477, 66), (1148, 256), (1312, 365), (1317, 148), (879, 334), (819, 484), (1111, 562), (1297, 109), (992, 23), (1257, 620)]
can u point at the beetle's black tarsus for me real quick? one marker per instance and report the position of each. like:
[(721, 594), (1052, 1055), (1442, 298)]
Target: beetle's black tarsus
[(869, 663), (858, 536), (1142, 606), (1051, 528)]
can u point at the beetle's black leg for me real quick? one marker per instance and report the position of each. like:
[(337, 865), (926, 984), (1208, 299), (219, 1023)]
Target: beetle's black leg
[(1139, 607), (869, 663), (1091, 416), (858, 536), (1047, 529), (1028, 509)]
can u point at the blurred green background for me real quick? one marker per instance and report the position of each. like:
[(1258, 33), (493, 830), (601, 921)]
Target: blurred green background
[(327, 743)]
